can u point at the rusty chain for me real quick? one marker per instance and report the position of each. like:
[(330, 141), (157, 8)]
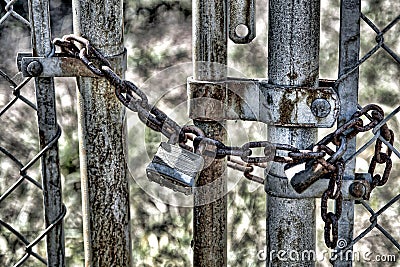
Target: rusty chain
[(335, 164), (136, 100)]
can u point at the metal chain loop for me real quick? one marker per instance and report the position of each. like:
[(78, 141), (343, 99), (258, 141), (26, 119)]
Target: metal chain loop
[(136, 100), (333, 192), (268, 152), (382, 158)]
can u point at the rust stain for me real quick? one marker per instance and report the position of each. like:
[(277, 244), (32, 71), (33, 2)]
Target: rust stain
[(292, 76), (286, 107), (314, 94)]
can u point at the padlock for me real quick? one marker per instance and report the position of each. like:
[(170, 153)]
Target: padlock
[(175, 168), (303, 179), (315, 171)]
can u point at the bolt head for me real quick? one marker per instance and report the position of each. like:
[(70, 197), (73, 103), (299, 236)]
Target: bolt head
[(357, 189), (320, 107), (34, 68)]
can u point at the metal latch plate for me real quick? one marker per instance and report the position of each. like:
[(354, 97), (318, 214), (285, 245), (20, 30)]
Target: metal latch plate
[(257, 100), (59, 66), (281, 187)]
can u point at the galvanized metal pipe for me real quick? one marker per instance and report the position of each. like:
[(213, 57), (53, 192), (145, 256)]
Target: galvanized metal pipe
[(293, 54), (47, 123), (349, 51), (105, 190), (209, 63)]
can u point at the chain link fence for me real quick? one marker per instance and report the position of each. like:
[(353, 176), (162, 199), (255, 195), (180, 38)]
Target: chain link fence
[(22, 233), (376, 236), (22, 226)]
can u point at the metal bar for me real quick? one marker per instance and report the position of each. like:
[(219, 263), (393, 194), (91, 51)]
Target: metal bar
[(210, 34), (48, 129), (105, 187), (63, 66), (349, 50), (257, 100), (242, 15), (293, 52), (274, 188)]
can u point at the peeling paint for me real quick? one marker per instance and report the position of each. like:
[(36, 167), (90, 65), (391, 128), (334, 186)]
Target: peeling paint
[(286, 108)]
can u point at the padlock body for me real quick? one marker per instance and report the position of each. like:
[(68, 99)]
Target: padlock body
[(304, 179), (175, 168)]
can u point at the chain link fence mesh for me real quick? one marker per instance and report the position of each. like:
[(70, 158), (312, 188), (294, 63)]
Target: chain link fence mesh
[(376, 236), (22, 227)]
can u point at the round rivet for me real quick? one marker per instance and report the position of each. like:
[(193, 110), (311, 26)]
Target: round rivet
[(34, 68), (357, 189), (242, 30), (320, 107)]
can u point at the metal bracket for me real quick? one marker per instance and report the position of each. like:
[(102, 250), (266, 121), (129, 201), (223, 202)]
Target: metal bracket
[(242, 26), (59, 66), (357, 189), (257, 100)]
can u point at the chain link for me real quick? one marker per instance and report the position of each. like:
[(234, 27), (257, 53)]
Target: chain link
[(136, 100), (382, 158)]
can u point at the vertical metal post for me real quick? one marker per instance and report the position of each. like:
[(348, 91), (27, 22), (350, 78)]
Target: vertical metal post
[(47, 122), (209, 63), (349, 50), (293, 52), (105, 190)]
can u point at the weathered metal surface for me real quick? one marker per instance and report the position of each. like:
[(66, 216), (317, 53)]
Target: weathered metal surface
[(175, 168), (293, 56), (349, 51), (358, 190), (242, 15), (207, 100), (320, 107), (290, 221), (34, 68), (105, 187), (210, 210), (291, 106), (258, 100), (48, 129), (65, 66), (280, 187), (209, 63)]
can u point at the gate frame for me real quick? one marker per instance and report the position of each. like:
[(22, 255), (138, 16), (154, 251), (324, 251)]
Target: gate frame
[(48, 131)]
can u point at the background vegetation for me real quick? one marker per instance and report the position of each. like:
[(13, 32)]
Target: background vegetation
[(158, 38)]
